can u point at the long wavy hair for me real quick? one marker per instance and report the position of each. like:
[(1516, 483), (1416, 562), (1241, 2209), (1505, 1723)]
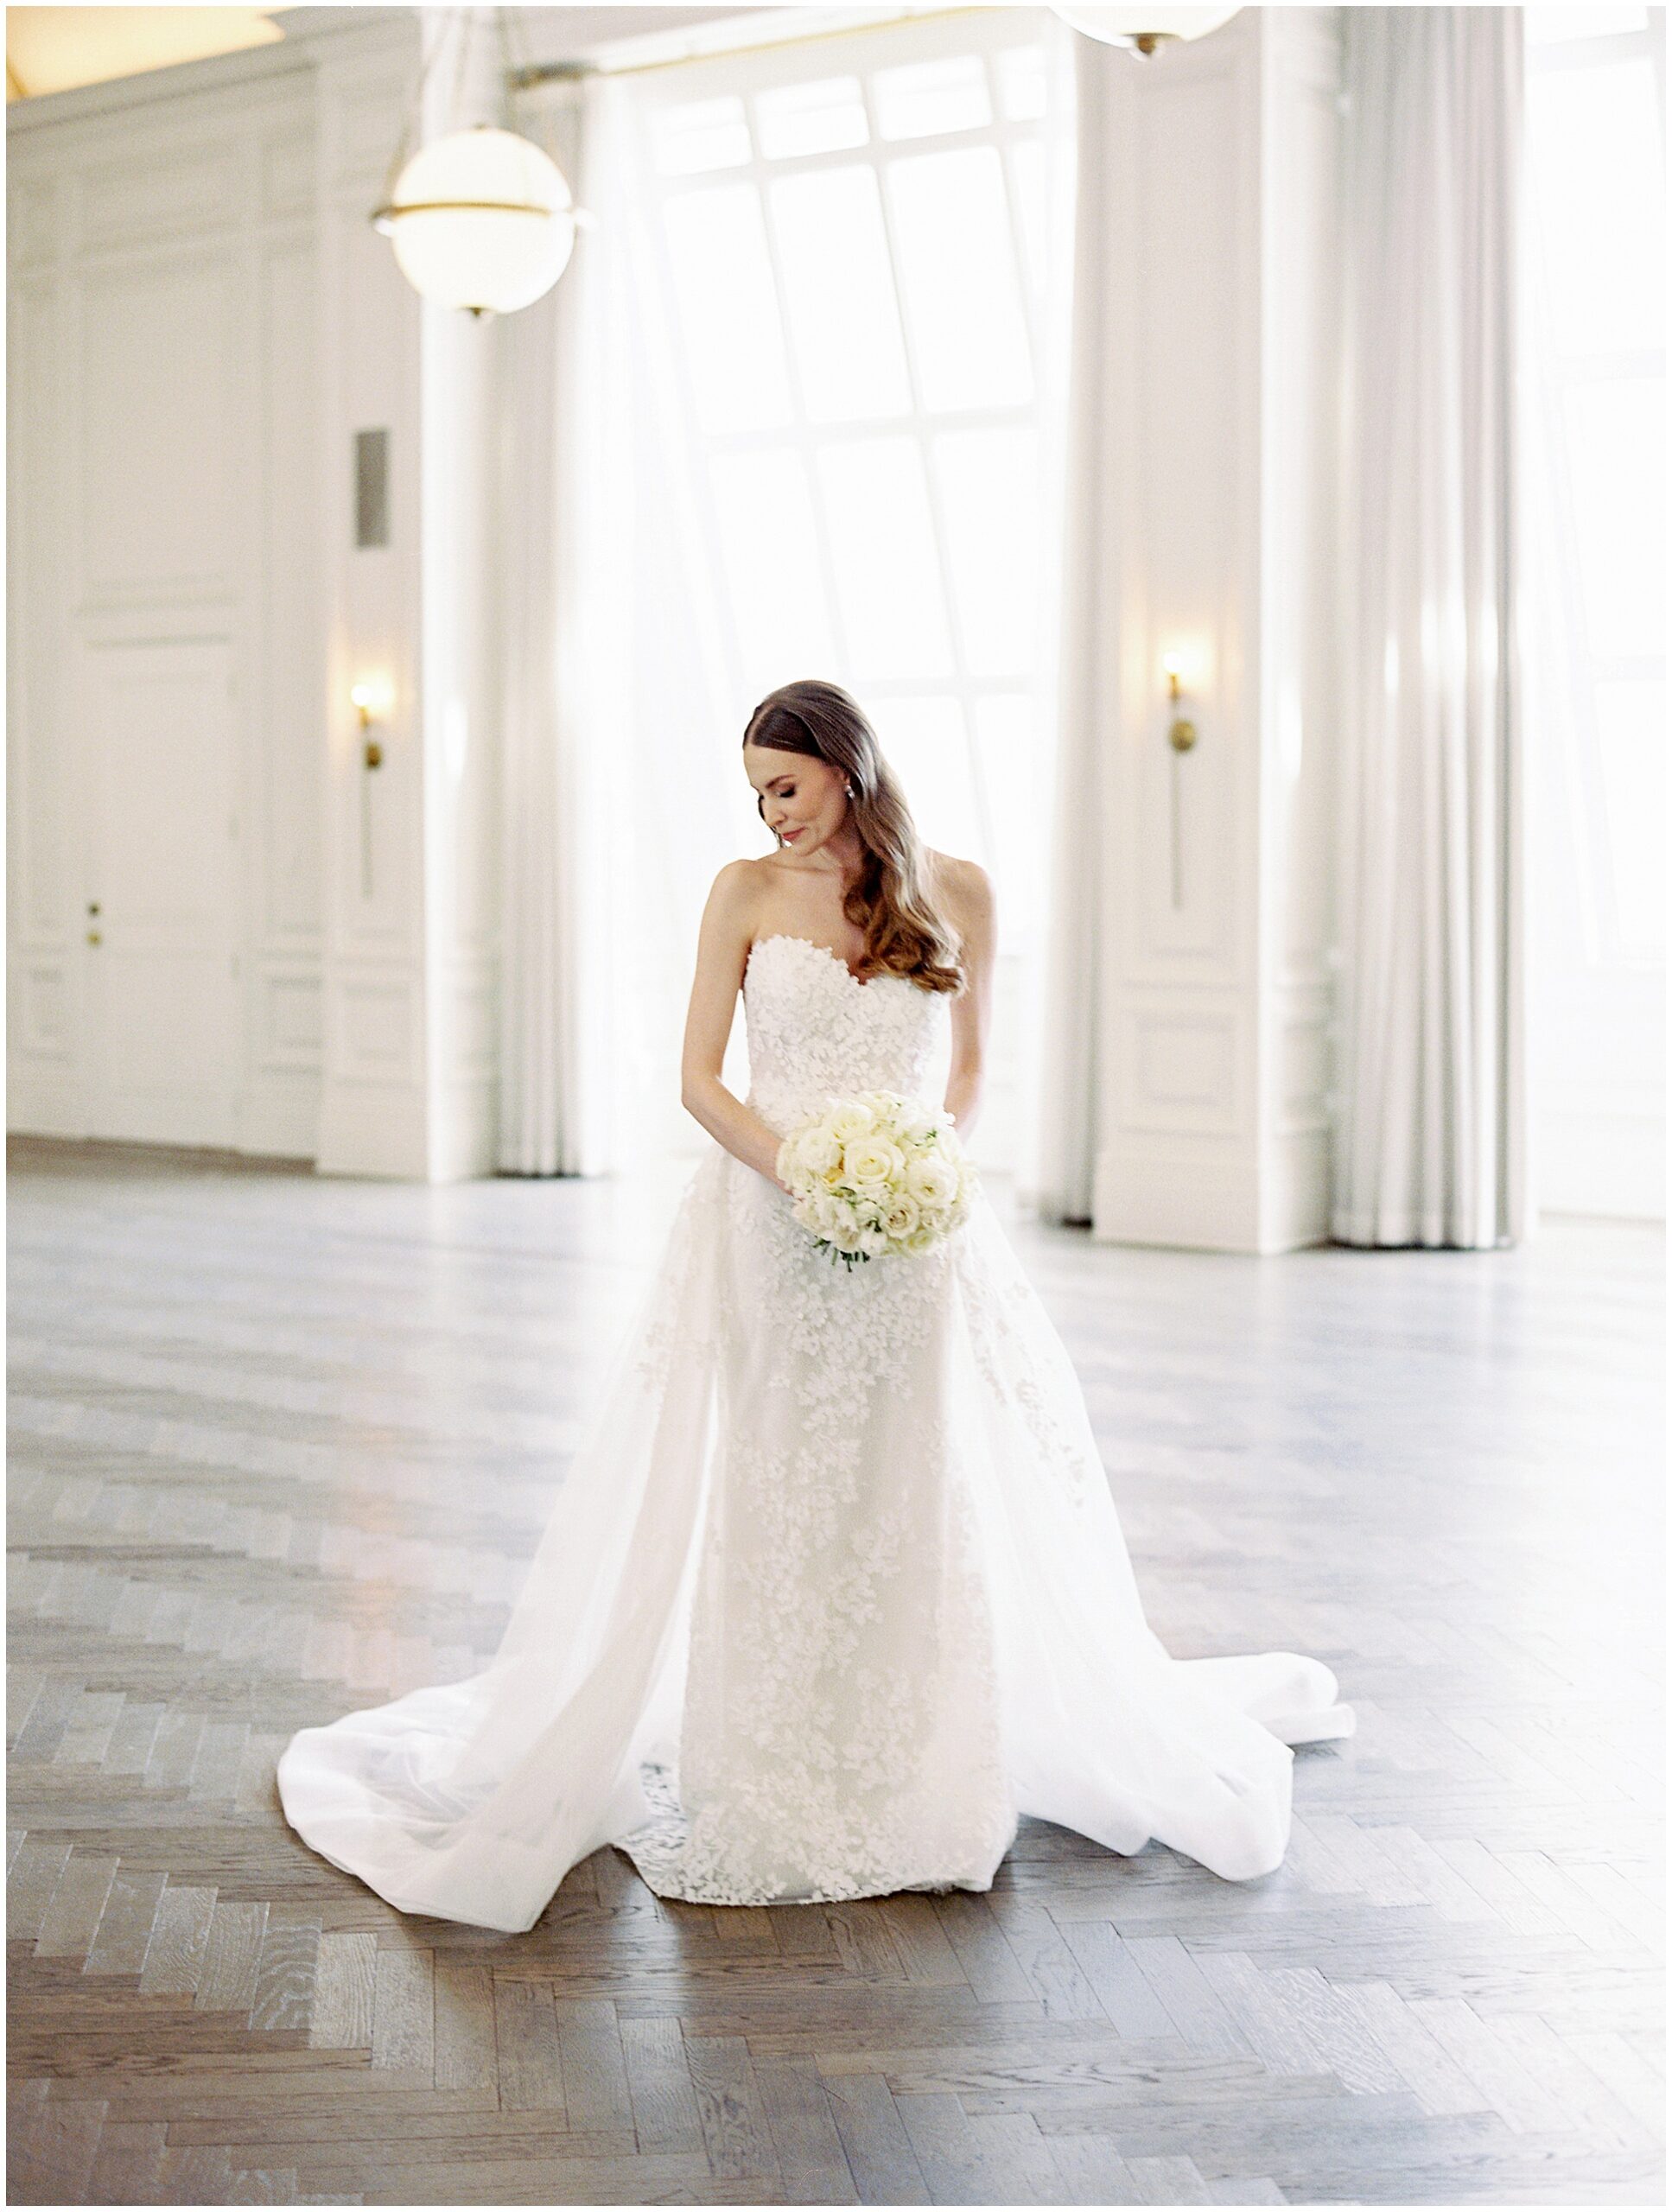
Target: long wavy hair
[(906, 933)]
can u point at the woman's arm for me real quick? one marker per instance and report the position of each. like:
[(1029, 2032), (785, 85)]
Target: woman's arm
[(723, 950), (974, 910)]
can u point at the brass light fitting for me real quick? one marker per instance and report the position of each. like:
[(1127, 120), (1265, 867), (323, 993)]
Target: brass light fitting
[(1182, 734), (365, 697)]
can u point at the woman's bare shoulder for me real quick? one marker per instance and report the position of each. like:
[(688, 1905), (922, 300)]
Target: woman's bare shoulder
[(737, 882), (959, 884)]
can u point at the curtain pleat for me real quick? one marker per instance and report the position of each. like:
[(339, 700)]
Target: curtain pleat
[(1430, 1139), (1064, 1136), (557, 576)]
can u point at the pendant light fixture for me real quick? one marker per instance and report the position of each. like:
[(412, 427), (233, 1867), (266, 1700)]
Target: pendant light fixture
[(481, 219), (1143, 30)]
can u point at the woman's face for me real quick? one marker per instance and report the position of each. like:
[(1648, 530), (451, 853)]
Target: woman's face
[(801, 799)]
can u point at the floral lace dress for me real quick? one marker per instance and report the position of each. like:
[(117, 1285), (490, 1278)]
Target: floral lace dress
[(834, 1590)]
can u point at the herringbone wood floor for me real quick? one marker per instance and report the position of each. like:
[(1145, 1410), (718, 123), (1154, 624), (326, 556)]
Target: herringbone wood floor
[(278, 1446)]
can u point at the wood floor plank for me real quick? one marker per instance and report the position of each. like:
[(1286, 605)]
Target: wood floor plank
[(403, 2010), (728, 2101), (345, 1983), (1424, 2065), (921, 1941), (36, 1873), (53, 2152), (985, 1959), (124, 1934), (880, 2159), (1046, 1960), (179, 1944), (596, 2091), (127, 2162), (810, 2156), (42, 1733), (78, 1903), (284, 1973), (1127, 1995), (201, 2174), (1002, 2160), (1169, 2181), (660, 2086), (1202, 2021), (1091, 2170), (232, 1960), (1481, 2051), (529, 2057), (466, 2055)]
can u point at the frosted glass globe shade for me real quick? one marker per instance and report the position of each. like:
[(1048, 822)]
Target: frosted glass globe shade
[(1120, 26), (482, 220)]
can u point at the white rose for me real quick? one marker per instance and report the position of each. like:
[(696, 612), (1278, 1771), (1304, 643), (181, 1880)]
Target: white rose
[(820, 1149), (872, 1243), (902, 1215), (873, 1161), (932, 1180), (852, 1119)]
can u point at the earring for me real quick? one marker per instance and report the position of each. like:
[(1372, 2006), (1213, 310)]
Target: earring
[(849, 789)]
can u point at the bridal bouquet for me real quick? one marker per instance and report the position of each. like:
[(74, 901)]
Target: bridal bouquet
[(876, 1174)]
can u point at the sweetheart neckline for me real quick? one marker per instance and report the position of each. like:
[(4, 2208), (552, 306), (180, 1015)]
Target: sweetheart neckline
[(860, 982)]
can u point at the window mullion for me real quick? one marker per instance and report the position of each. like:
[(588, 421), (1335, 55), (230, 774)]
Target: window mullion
[(921, 430), (802, 432), (669, 342)]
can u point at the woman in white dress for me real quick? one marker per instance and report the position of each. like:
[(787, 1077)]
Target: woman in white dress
[(834, 1589)]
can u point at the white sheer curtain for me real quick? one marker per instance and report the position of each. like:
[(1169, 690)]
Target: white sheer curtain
[(1431, 1148), (562, 464), (1063, 1123), (1595, 385), (618, 760)]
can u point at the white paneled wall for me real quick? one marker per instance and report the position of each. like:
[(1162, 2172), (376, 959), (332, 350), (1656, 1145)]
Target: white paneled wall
[(165, 759), (1217, 539), (225, 928)]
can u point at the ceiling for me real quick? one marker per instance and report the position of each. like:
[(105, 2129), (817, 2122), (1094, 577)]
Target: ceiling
[(49, 49), (53, 49)]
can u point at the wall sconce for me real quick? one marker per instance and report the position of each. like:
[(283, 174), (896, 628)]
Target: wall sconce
[(371, 699), (1181, 736)]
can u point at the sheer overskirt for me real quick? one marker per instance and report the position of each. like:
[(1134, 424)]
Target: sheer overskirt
[(472, 1801), (834, 1590)]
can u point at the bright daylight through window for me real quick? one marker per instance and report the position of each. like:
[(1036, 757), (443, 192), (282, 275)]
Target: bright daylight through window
[(854, 235)]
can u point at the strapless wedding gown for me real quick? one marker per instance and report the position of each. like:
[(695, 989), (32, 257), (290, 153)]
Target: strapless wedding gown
[(834, 1588)]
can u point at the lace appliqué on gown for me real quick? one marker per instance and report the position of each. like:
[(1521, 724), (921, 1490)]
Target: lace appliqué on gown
[(841, 1732)]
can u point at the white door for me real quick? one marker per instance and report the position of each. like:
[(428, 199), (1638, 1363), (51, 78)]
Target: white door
[(160, 998)]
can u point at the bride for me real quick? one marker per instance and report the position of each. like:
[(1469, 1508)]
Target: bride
[(834, 1589)]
